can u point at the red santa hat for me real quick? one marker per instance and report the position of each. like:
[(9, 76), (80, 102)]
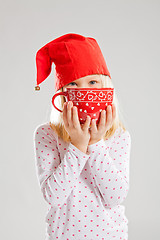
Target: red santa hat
[(74, 56)]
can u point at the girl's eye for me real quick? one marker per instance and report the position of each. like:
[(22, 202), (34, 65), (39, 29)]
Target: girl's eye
[(93, 81), (72, 83)]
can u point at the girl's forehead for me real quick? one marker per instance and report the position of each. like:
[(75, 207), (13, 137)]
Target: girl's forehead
[(93, 76)]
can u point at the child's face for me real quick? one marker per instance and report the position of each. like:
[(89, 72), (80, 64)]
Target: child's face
[(90, 81)]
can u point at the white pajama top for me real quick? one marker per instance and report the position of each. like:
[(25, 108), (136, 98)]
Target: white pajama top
[(84, 192)]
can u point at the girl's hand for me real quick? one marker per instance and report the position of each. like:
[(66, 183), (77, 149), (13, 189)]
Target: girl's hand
[(79, 134), (105, 123)]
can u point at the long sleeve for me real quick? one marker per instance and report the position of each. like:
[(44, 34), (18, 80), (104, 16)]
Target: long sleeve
[(56, 176), (110, 167)]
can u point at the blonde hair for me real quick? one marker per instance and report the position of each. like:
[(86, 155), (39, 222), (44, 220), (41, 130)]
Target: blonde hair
[(56, 118)]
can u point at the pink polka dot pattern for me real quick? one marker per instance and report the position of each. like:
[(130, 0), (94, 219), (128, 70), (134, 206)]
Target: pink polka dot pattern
[(84, 191)]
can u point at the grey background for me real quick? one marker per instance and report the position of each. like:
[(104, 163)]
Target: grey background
[(129, 36)]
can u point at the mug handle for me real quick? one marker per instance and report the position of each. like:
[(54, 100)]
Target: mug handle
[(55, 95)]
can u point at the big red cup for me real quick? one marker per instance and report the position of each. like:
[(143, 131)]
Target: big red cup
[(89, 101)]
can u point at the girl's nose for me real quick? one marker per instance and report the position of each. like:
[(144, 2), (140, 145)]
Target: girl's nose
[(83, 86)]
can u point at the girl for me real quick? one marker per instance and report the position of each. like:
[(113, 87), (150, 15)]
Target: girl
[(83, 170)]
